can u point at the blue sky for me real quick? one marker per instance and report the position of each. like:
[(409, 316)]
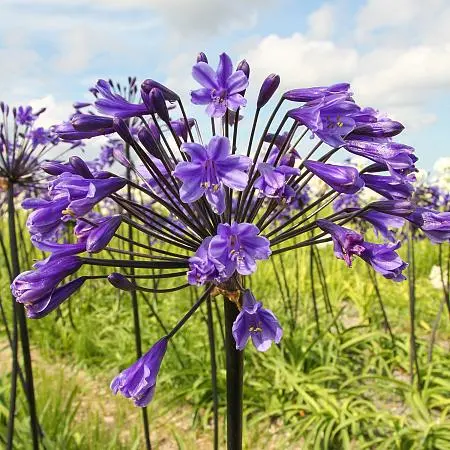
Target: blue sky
[(396, 54)]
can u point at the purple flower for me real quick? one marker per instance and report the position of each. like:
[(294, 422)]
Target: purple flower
[(57, 249), (39, 136), (389, 187), (210, 168), (435, 224), (46, 217), (330, 118), (91, 122), (381, 257), (32, 285), (139, 380), (56, 168), (384, 260), (314, 93), (107, 152), (100, 235), (396, 156), (382, 223), (237, 247), (49, 302), (113, 104), (148, 85), (83, 194), (67, 132), (256, 322), (343, 179), (25, 116), (202, 267), (272, 182), (346, 242), (221, 89)]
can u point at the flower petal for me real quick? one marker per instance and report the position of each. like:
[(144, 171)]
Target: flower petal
[(205, 75), (201, 96), (237, 82), (218, 148), (224, 69)]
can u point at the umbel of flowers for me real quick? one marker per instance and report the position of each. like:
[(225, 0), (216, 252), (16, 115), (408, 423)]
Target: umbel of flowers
[(213, 208), (23, 147)]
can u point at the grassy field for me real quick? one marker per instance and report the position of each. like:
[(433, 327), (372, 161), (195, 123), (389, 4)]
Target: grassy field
[(345, 385)]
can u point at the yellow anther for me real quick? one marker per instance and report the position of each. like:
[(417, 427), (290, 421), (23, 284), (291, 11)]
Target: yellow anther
[(68, 212)]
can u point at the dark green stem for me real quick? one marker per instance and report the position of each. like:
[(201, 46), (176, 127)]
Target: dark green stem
[(135, 307), (19, 312), (235, 372)]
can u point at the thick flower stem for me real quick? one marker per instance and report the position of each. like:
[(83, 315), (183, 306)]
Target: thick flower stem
[(235, 371), (135, 307), (19, 316)]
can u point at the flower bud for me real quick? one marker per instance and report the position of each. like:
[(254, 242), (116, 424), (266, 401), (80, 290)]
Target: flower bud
[(121, 282), (156, 99), (343, 179), (201, 57), (400, 208), (103, 174), (91, 122), (56, 168), (100, 236), (120, 157), (150, 140), (148, 85), (78, 105), (243, 65), (80, 167), (121, 128), (268, 88)]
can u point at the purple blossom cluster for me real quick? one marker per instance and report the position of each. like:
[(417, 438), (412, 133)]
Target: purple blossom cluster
[(213, 209)]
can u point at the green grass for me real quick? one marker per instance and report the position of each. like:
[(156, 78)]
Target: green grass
[(346, 387)]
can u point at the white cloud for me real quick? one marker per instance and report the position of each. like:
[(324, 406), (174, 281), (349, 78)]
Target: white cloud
[(301, 61), (56, 111), (399, 79), (321, 22), (376, 14)]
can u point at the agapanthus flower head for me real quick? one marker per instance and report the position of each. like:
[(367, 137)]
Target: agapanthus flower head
[(257, 323), (25, 115), (208, 210), (138, 382), (23, 147)]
